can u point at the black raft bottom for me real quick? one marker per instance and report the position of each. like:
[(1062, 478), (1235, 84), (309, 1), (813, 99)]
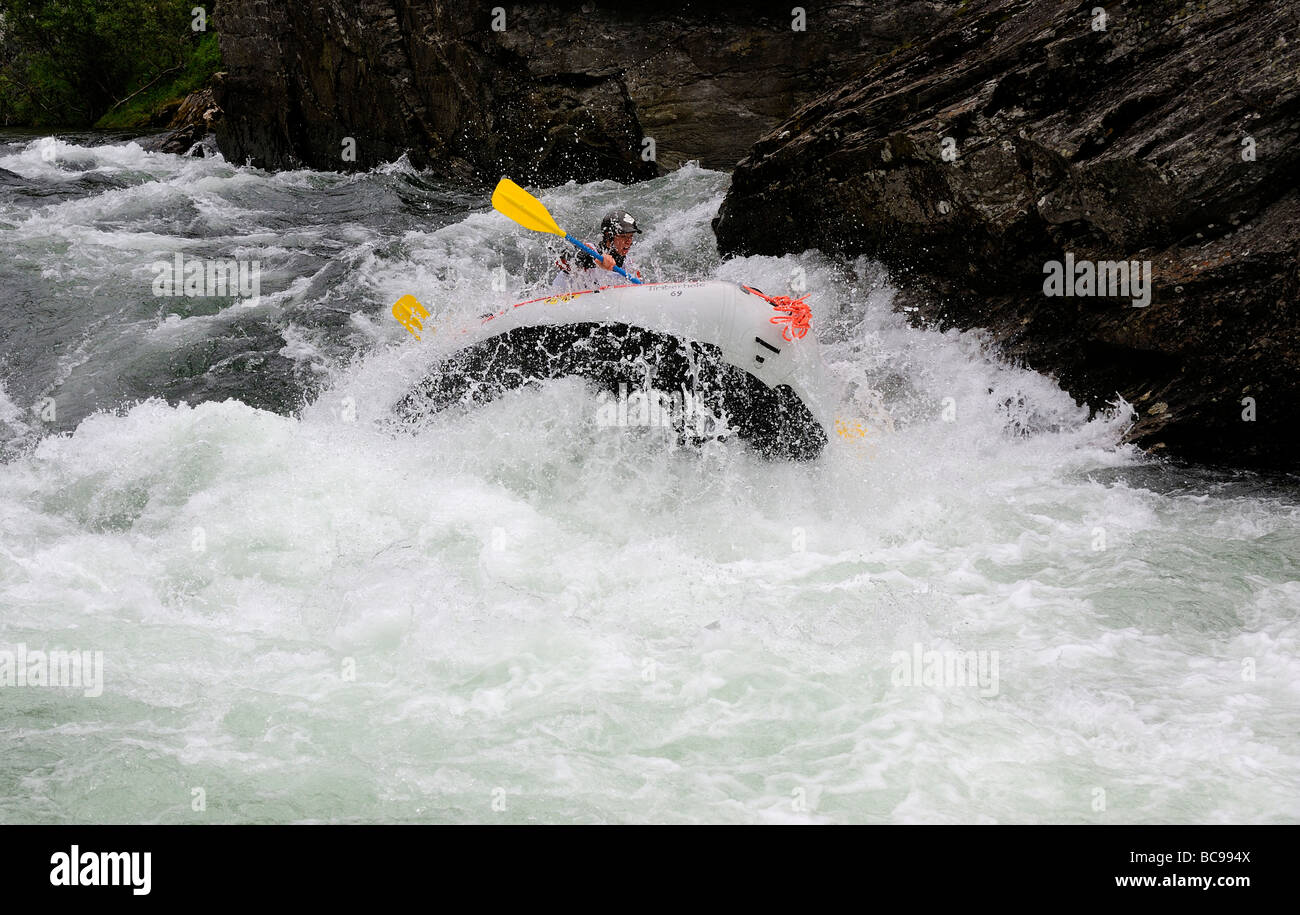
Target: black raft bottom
[(774, 421)]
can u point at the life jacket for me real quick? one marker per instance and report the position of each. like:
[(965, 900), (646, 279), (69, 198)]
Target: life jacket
[(581, 260)]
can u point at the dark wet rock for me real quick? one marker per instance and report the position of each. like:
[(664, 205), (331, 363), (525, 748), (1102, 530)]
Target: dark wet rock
[(565, 91), (1128, 143), (193, 119)]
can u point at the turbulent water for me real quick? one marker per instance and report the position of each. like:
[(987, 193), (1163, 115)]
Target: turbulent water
[(517, 614)]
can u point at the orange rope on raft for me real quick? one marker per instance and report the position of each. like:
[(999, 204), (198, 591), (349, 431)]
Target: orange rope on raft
[(796, 316)]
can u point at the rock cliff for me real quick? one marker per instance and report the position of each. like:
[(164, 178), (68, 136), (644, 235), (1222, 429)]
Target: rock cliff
[(545, 92), (1026, 135)]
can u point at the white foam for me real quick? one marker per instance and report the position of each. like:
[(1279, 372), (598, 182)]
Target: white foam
[(607, 627)]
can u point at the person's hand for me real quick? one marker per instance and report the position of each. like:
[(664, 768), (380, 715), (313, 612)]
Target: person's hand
[(608, 262)]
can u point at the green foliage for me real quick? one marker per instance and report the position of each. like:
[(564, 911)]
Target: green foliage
[(68, 63), (142, 109)]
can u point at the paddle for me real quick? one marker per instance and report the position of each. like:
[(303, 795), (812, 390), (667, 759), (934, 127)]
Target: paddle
[(510, 200)]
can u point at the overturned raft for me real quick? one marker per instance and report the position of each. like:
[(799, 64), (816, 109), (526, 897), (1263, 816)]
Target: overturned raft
[(745, 356)]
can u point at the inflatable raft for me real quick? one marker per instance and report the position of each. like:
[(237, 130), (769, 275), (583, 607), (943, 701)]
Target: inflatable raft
[(747, 356)]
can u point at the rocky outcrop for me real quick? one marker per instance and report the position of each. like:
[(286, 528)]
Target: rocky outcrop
[(193, 119), (545, 92), (1026, 131)]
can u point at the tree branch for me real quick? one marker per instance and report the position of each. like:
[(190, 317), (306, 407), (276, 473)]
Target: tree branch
[(116, 105)]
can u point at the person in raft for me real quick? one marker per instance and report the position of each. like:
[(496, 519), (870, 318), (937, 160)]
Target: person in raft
[(578, 270)]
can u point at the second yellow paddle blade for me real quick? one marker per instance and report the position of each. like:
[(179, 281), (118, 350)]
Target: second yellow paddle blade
[(509, 199)]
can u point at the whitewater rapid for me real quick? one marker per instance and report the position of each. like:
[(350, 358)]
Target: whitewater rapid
[(517, 614)]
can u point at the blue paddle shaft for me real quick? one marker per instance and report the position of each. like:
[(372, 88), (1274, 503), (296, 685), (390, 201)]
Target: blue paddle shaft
[(598, 257)]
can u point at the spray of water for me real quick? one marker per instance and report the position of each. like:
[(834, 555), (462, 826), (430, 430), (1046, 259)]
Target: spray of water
[(517, 614)]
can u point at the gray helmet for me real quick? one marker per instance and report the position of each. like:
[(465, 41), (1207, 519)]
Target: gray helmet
[(618, 222)]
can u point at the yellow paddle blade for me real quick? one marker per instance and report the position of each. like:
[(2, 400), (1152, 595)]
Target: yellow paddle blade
[(408, 311), (509, 199)]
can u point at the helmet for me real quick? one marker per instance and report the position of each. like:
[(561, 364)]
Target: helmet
[(618, 222)]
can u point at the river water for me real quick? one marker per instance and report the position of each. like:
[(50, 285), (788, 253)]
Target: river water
[(977, 606)]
